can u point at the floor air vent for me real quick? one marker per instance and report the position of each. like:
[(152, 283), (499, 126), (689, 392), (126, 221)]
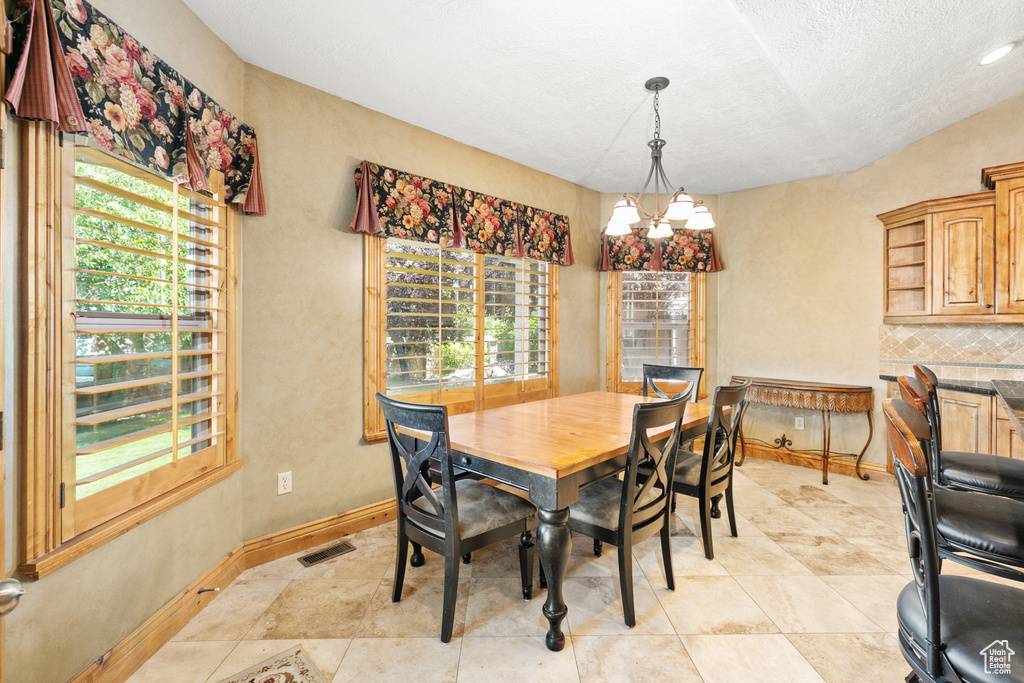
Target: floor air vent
[(326, 554)]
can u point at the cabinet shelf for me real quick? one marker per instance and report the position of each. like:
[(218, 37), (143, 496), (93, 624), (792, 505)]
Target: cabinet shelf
[(916, 243), (904, 265), (910, 288)]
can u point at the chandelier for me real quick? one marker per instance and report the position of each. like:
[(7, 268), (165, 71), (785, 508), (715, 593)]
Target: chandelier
[(680, 207)]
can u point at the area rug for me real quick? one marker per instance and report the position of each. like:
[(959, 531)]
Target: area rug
[(290, 666)]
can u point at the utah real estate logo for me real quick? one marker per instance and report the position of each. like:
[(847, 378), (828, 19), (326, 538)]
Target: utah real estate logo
[(997, 657)]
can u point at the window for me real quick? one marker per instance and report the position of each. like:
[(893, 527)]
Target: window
[(452, 326), (656, 318), (144, 313)]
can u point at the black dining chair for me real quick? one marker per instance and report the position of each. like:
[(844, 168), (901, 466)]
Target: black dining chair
[(951, 628), (980, 472), (978, 530), (657, 379), (707, 476), (461, 516), (625, 512)]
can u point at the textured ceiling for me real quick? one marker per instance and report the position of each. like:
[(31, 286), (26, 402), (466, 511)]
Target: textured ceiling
[(762, 91)]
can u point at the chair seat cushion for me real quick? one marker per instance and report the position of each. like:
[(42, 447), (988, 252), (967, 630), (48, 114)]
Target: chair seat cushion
[(988, 523), (688, 468), (974, 615), (599, 503), (483, 507), (983, 471)]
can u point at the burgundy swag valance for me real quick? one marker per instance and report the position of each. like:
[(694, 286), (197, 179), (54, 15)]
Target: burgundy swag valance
[(393, 203), (81, 71), (686, 250)]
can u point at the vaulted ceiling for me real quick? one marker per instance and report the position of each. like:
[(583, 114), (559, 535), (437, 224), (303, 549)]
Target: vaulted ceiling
[(762, 91)]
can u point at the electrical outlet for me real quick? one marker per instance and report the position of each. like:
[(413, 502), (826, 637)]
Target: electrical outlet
[(799, 424), (284, 483)]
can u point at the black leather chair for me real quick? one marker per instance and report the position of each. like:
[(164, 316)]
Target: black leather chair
[(658, 377), (626, 512), (949, 626), (975, 529), (456, 519), (980, 472)]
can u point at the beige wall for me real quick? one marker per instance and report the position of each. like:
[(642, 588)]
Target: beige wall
[(801, 295), (70, 618), (302, 349), (608, 201)]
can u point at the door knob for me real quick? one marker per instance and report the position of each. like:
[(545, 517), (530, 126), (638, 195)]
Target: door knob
[(11, 591)]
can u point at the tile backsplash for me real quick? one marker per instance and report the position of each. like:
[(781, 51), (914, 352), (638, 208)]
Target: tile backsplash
[(971, 352)]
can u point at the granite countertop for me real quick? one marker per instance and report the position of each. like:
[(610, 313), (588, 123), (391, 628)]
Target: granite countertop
[(1011, 393), (983, 387)]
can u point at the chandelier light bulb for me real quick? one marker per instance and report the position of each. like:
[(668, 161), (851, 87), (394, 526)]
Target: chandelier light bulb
[(996, 54), (660, 229), (625, 212), (617, 228), (702, 219), (680, 208)]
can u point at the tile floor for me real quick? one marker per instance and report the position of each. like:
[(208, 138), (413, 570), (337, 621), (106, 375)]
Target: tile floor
[(805, 593)]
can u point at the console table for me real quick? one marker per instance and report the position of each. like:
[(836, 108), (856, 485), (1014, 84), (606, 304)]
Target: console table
[(828, 398)]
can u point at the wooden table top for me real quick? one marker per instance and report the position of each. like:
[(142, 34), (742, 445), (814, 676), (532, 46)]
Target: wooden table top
[(556, 437)]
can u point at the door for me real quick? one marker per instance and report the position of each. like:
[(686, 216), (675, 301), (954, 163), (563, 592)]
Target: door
[(963, 274), (1010, 266)]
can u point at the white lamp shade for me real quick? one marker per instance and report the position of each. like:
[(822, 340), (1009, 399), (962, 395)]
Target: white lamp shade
[(660, 229), (616, 227), (702, 219), (625, 212), (680, 208)]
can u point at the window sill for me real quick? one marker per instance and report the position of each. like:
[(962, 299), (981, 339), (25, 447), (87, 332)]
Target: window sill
[(84, 543)]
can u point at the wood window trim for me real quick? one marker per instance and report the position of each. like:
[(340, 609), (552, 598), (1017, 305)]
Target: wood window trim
[(698, 333), (469, 398), (46, 544)]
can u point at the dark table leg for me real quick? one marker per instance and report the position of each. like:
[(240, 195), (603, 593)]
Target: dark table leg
[(871, 433), (555, 543), (826, 446)]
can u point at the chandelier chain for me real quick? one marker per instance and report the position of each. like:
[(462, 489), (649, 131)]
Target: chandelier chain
[(657, 115)]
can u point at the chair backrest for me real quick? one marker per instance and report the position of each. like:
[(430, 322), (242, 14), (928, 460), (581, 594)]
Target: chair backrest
[(644, 505), (905, 423), (931, 386), (721, 435), (411, 463), (666, 374), (914, 391)]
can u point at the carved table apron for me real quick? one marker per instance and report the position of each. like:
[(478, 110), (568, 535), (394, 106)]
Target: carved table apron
[(828, 398)]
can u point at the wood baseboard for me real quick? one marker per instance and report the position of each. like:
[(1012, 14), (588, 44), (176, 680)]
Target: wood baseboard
[(842, 465), (122, 660), (283, 543)]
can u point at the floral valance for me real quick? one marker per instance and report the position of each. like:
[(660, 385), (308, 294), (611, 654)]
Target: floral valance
[(81, 71), (393, 203), (686, 250)]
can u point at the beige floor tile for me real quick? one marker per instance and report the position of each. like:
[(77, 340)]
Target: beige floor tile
[(853, 657), (182, 662), (846, 520), (805, 604), (325, 654), (595, 607), (785, 521), (496, 607), (324, 609), (875, 596), (425, 660), (690, 518), (416, 615), (232, 613), (607, 659), (513, 660), (890, 514), (500, 560), (889, 550), (733, 658), (713, 604), (869, 494), (281, 569), (807, 495), (830, 555), (756, 557), (687, 559), (374, 555), (751, 495)]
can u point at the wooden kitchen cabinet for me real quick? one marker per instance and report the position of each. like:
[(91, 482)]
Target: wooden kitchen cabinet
[(967, 422), (958, 259), (1007, 440)]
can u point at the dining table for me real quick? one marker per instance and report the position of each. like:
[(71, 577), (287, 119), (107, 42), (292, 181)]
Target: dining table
[(550, 449)]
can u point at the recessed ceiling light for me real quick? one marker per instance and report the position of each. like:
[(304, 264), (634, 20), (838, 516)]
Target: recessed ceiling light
[(996, 54)]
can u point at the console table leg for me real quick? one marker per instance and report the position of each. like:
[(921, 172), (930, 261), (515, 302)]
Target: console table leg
[(555, 543), (826, 443), (743, 447), (871, 434)]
